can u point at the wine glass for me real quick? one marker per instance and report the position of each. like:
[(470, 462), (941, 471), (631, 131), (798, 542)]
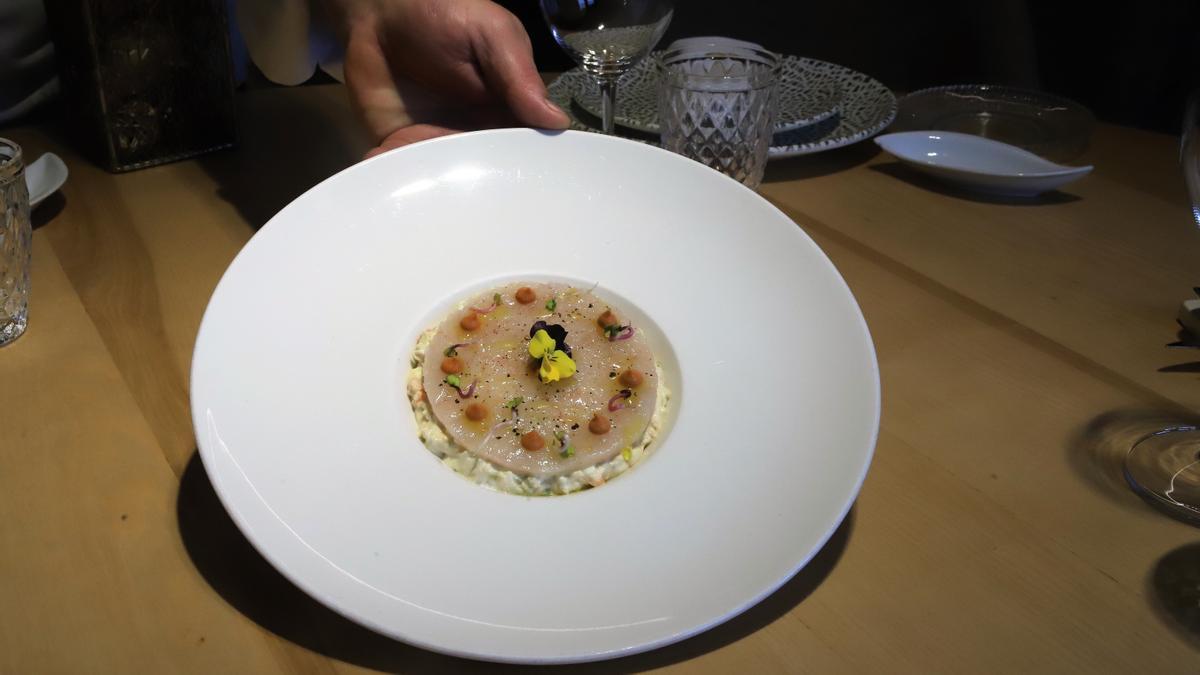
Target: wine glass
[(1164, 467), (606, 38)]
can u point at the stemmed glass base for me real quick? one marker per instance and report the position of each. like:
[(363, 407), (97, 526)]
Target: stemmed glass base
[(608, 102), (1163, 468)]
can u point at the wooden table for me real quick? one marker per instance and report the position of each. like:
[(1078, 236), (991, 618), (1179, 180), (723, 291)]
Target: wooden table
[(1021, 347)]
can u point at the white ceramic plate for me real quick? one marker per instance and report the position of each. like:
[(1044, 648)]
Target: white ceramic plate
[(304, 429)]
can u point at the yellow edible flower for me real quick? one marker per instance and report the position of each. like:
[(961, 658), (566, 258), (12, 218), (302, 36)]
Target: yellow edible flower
[(541, 344), (556, 365)]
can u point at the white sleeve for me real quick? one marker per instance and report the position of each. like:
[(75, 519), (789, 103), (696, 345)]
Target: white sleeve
[(285, 40)]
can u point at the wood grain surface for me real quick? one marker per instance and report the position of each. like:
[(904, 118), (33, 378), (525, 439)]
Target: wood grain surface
[(1020, 345)]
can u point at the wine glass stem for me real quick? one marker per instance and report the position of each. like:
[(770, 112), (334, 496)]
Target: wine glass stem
[(608, 103)]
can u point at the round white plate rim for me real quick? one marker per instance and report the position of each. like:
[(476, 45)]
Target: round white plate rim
[(224, 487)]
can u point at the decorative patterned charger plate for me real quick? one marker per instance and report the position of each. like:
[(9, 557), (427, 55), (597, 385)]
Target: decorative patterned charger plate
[(866, 107), (808, 94)]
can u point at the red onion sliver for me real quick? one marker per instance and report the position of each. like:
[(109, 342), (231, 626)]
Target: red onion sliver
[(453, 349), (625, 334), (618, 401)]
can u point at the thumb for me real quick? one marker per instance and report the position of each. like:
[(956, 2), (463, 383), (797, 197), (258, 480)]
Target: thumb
[(410, 134), (506, 61)]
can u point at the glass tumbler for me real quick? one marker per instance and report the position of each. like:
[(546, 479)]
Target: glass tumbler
[(717, 104), (16, 236)]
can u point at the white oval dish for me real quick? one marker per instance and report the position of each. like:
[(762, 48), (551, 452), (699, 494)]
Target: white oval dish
[(44, 176), (979, 163), (303, 426)]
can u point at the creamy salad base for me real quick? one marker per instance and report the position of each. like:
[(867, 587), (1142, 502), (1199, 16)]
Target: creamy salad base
[(485, 473)]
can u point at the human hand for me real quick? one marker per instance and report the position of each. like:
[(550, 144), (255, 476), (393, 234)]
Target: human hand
[(418, 69)]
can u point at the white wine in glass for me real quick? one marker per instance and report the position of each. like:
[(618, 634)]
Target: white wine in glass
[(606, 38)]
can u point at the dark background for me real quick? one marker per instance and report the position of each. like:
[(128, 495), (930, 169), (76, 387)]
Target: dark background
[(1131, 63)]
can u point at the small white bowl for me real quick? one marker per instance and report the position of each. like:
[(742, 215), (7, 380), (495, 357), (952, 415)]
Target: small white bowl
[(979, 163)]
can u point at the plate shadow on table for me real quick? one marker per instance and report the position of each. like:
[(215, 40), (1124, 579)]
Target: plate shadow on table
[(286, 145), (899, 171), (1186, 367), (231, 565), (1183, 339), (47, 210), (1097, 451), (1174, 590)]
